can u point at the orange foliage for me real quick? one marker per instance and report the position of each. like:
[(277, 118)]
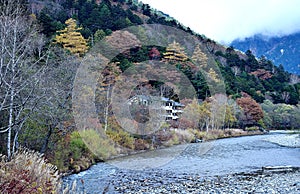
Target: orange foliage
[(262, 74), (252, 110)]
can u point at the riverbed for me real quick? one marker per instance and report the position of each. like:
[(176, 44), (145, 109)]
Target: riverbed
[(184, 167)]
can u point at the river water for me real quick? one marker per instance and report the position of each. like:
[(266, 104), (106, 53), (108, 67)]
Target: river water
[(220, 157)]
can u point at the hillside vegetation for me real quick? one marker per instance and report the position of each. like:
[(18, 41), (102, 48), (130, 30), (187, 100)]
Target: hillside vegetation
[(53, 39)]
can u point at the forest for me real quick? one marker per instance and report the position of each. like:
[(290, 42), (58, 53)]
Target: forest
[(44, 43)]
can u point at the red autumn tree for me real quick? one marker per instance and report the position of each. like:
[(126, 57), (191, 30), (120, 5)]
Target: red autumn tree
[(252, 111), (154, 54)]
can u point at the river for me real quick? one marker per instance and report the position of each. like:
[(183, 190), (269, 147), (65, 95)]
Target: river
[(220, 157)]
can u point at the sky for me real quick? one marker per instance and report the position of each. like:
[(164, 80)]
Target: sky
[(227, 20)]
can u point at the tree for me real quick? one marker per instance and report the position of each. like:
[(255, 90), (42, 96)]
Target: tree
[(282, 75), (99, 35), (71, 39), (129, 2), (20, 69), (199, 57), (154, 54), (294, 79), (54, 109), (262, 74), (231, 112), (49, 25), (252, 111), (285, 96), (108, 78), (281, 116), (251, 61), (268, 108), (191, 115), (175, 53), (236, 70), (146, 9), (218, 104), (213, 75), (210, 45), (197, 115)]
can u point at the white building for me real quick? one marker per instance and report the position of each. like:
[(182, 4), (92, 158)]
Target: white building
[(171, 109)]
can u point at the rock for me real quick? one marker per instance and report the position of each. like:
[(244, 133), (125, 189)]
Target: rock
[(163, 182)]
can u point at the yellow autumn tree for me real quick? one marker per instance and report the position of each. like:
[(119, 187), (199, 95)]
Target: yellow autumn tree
[(213, 76), (199, 57), (71, 39), (174, 52)]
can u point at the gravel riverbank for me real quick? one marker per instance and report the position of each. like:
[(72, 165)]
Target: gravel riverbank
[(232, 165), (288, 140), (157, 182)]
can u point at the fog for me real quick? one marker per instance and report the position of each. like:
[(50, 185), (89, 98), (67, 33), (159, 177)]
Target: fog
[(226, 20)]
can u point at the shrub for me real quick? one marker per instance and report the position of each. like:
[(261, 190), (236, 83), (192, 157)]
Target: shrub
[(141, 144), (77, 146), (73, 151), (61, 153), (215, 134), (122, 138), (173, 141), (28, 172), (254, 128), (186, 123), (184, 136), (101, 147), (198, 134), (163, 135)]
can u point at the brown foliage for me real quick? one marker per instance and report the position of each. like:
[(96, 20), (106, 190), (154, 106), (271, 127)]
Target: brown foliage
[(122, 40), (162, 136), (185, 123), (251, 109), (140, 144), (262, 74)]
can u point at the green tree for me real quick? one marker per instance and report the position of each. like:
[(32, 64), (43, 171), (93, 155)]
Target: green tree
[(99, 35), (146, 9), (49, 25)]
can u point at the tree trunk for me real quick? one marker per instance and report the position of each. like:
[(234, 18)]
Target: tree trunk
[(207, 124), (46, 140), (15, 142), (10, 121), (106, 109)]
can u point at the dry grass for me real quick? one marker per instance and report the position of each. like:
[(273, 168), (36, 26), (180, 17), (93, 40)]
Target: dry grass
[(28, 172)]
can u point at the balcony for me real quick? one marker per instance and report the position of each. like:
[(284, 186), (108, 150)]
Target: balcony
[(168, 107)]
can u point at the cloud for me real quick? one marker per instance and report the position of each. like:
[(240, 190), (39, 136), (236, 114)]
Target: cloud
[(226, 20)]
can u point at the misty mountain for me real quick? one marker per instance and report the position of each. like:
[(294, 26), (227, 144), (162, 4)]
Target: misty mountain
[(283, 50)]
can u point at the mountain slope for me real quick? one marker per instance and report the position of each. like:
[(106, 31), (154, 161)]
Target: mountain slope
[(280, 50), (242, 71)]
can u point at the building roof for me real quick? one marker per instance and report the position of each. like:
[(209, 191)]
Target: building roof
[(152, 99)]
